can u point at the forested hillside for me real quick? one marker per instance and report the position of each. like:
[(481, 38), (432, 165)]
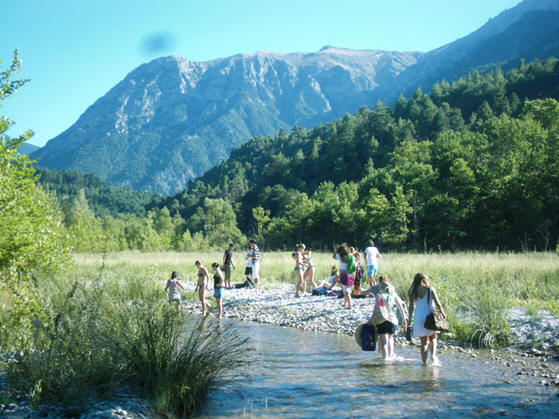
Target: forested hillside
[(474, 164), (102, 199)]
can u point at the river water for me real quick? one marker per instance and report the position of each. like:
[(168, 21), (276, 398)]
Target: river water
[(301, 374)]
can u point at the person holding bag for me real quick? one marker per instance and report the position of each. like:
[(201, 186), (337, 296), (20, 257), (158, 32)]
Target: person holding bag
[(384, 317), (422, 301)]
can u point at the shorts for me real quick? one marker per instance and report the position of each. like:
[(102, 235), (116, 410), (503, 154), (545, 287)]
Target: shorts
[(346, 279), (227, 272), (248, 270), (217, 292), (371, 270), (256, 271), (386, 327), (346, 289)]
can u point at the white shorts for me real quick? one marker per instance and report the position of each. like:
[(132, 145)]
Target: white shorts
[(256, 270), (347, 289)]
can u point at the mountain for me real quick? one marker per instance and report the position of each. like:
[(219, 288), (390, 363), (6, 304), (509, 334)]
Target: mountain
[(25, 148), (528, 31), (172, 119)]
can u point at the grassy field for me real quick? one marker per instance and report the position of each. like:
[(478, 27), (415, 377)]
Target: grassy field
[(524, 279), (475, 289)]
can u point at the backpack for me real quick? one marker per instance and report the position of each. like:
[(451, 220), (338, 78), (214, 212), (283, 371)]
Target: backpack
[(320, 291), (380, 312), (350, 268)]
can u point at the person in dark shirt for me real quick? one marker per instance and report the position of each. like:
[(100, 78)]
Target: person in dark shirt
[(228, 264)]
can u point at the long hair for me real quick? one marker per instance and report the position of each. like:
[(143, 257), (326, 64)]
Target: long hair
[(342, 250), (384, 284), (419, 279)]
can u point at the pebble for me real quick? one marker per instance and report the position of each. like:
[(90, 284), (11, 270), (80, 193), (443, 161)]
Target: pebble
[(526, 329)]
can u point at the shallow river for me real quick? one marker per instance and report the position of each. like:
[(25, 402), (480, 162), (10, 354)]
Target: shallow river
[(301, 374)]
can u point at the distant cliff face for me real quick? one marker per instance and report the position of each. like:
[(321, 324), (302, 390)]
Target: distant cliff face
[(172, 119)]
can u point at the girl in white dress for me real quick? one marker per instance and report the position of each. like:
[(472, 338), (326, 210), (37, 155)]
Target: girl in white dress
[(423, 299)]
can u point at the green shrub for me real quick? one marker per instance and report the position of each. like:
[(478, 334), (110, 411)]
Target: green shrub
[(112, 328)]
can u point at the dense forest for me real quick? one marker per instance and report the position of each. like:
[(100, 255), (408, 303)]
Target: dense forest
[(471, 165), (102, 199)]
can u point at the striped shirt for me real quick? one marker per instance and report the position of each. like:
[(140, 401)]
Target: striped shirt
[(255, 254)]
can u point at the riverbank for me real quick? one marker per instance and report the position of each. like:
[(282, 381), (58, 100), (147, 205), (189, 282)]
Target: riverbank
[(276, 304)]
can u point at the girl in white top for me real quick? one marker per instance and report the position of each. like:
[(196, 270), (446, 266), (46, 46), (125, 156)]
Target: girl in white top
[(173, 286), (423, 299), (333, 279)]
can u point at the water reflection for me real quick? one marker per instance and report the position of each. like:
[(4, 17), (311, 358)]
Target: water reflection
[(312, 374)]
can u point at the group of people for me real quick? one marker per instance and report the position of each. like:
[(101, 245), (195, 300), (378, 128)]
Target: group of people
[(221, 278), (422, 297), (350, 275)]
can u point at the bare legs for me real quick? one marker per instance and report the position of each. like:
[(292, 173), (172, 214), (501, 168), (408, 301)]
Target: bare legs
[(429, 343), (347, 300), (372, 280), (433, 348), (219, 307), (386, 345), (309, 274), (300, 282), (202, 297)]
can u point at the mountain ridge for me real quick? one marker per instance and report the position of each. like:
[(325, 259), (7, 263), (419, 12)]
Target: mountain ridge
[(171, 119)]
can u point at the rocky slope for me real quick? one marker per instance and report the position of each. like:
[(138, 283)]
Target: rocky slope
[(172, 119)]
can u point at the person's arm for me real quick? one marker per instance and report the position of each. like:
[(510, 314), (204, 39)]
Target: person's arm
[(334, 256), (167, 285), (220, 274), (410, 311), (437, 303), (232, 263), (224, 258), (206, 278), (181, 285), (402, 312), (378, 254)]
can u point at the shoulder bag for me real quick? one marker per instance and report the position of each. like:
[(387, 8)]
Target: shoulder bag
[(435, 320)]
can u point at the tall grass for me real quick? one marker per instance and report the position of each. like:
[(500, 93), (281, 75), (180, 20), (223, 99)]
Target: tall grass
[(476, 289), (113, 326)]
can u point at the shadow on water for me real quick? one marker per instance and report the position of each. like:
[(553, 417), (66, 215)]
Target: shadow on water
[(301, 374)]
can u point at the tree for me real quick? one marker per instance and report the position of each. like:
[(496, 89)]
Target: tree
[(33, 243), (262, 218)]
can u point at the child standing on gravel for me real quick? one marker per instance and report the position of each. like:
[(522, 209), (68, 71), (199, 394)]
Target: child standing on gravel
[(218, 287), (298, 258), (248, 269), (347, 269), (202, 285), (173, 286)]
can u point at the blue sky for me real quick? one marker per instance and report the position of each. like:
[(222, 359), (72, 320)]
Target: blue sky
[(74, 51)]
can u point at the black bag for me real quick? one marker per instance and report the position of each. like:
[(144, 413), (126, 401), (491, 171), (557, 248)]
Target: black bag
[(435, 320), (368, 337)]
